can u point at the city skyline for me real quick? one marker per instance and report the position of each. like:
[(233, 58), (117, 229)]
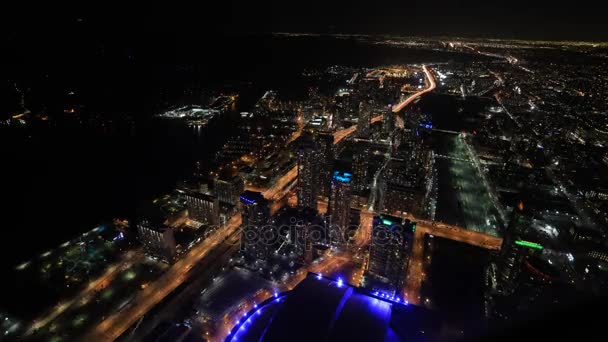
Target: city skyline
[(230, 185)]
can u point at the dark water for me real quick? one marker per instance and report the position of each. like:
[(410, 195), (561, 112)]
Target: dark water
[(63, 180), (455, 284)]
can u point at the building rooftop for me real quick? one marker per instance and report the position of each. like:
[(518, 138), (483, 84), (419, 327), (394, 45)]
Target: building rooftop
[(252, 197), (323, 309)]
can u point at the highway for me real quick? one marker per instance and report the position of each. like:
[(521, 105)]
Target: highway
[(113, 326), (343, 133), (432, 86)]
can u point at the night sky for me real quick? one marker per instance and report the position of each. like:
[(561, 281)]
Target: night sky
[(574, 20)]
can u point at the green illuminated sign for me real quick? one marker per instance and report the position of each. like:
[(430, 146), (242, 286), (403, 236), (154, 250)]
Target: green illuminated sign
[(387, 222), (528, 244)]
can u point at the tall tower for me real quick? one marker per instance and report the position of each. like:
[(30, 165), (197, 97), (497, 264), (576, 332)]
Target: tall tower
[(255, 213), (339, 208), (308, 175)]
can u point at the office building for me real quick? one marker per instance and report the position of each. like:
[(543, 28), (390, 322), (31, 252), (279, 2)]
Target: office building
[(339, 208), (255, 214)]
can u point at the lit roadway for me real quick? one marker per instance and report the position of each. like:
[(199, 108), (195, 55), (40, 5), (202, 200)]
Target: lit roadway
[(113, 326), (432, 85), (343, 133), (415, 274), (106, 278)]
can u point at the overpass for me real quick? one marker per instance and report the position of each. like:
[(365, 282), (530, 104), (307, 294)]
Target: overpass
[(436, 155)]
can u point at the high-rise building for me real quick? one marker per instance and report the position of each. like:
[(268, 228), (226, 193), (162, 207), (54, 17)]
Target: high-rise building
[(308, 174), (388, 121), (303, 241), (390, 249), (339, 208), (325, 144), (514, 249), (157, 239), (360, 166), (255, 216), (365, 119), (228, 190), (202, 207)]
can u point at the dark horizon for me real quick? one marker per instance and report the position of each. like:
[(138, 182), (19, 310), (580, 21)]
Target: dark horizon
[(541, 20)]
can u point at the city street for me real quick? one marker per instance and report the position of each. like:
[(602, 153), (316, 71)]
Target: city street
[(112, 327), (126, 261)]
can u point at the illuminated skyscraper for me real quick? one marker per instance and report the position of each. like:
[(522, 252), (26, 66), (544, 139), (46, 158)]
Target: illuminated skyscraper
[(325, 144), (308, 174), (255, 214), (365, 120), (339, 208), (388, 121), (360, 166), (390, 249)]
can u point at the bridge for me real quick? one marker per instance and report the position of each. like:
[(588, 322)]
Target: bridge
[(452, 158)]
